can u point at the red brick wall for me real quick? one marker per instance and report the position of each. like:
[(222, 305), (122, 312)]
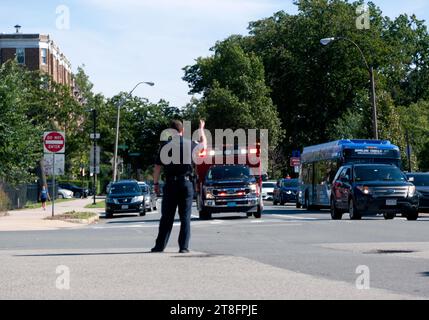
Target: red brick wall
[(33, 61)]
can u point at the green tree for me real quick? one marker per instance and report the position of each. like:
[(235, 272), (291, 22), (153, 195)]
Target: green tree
[(234, 91), (20, 139), (315, 88), (415, 121)]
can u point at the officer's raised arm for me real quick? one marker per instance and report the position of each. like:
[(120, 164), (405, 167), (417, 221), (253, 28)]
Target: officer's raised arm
[(203, 138)]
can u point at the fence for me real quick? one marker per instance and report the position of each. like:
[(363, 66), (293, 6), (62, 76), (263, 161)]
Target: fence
[(16, 197)]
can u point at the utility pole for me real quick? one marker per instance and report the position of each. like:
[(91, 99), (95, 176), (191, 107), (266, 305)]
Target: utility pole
[(94, 115), (374, 104), (408, 151)]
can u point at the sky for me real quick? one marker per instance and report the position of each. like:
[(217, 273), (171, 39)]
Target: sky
[(123, 42)]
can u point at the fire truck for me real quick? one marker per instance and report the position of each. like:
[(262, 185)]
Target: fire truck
[(229, 179)]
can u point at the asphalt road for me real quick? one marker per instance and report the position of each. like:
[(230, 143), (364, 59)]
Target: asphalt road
[(287, 254)]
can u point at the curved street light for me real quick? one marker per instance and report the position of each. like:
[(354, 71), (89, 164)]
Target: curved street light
[(120, 104), (327, 41)]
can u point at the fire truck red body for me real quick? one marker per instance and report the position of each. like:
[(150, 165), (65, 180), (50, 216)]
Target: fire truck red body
[(229, 179)]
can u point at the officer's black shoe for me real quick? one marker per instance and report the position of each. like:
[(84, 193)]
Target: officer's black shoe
[(157, 250), (184, 251)]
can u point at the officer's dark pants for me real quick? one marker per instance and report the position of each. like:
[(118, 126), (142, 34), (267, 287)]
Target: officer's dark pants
[(177, 194)]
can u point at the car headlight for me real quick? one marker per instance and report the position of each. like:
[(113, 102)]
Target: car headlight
[(137, 199), (364, 190), (253, 188), (209, 193), (411, 191), (289, 192), (110, 200)]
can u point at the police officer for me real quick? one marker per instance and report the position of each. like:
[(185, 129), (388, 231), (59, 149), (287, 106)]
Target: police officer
[(179, 188)]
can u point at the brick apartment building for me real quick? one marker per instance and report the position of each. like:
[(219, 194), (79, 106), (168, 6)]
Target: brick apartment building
[(36, 52)]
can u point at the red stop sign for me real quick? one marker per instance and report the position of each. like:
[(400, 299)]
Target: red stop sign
[(54, 142)]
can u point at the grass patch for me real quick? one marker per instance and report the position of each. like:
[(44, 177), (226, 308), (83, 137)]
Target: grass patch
[(73, 215), (98, 205), (39, 205)]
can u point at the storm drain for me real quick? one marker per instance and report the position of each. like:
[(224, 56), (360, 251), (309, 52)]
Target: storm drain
[(390, 252)]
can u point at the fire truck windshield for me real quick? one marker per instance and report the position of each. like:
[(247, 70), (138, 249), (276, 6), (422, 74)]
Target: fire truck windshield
[(229, 173)]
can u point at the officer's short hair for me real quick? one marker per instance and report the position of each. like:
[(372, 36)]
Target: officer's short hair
[(176, 125)]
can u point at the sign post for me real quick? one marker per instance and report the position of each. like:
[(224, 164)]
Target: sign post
[(95, 152), (295, 161), (54, 143)]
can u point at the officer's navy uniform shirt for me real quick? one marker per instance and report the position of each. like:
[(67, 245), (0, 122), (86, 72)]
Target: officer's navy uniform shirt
[(181, 162)]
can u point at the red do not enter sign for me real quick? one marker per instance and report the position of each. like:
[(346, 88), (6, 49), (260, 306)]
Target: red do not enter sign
[(54, 142)]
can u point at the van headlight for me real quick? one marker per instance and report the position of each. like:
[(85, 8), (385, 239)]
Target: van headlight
[(411, 191), (137, 199)]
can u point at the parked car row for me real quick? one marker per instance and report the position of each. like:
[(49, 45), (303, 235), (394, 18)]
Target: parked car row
[(78, 192), (130, 196), (65, 194)]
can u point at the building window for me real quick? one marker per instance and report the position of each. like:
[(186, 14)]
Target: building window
[(20, 55), (44, 56)]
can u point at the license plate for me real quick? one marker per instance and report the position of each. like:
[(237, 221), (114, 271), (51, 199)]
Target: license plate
[(232, 204), (391, 203), (125, 207)]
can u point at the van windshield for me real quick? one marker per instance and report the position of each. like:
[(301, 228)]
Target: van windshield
[(378, 173)]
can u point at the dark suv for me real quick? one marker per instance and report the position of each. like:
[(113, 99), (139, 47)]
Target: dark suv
[(370, 189), (285, 191), (125, 197), (421, 181)]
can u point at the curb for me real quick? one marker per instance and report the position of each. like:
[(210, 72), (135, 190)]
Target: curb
[(84, 221), (81, 221)]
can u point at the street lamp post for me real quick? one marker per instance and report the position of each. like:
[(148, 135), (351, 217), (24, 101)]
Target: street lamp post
[(120, 104), (327, 41)]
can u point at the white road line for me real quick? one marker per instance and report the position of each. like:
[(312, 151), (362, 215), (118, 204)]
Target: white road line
[(216, 222)]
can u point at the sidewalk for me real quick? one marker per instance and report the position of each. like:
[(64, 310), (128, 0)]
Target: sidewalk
[(34, 219)]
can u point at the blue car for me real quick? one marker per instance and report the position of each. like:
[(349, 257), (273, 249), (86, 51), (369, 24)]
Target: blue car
[(285, 191)]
